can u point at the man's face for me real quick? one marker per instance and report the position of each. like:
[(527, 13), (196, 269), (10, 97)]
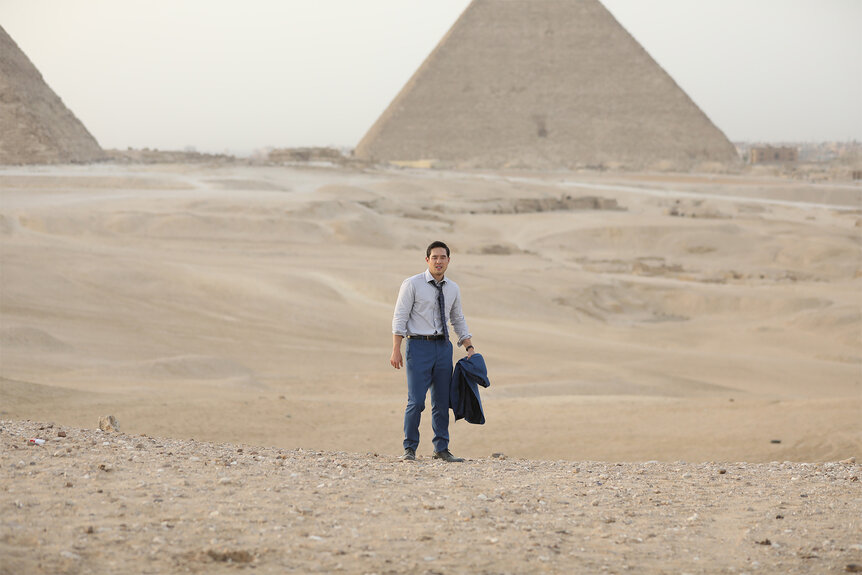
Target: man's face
[(438, 261)]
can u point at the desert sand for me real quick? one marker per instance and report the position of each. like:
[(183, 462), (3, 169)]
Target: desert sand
[(623, 317), (675, 368)]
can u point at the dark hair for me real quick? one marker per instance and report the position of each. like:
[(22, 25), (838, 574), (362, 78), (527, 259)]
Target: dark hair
[(436, 245)]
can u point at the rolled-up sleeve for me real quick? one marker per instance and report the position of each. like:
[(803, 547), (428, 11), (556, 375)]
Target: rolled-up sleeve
[(403, 306), (456, 318)]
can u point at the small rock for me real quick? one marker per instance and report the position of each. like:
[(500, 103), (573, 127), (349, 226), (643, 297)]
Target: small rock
[(231, 556), (853, 568), (764, 542), (109, 423), (848, 461), (499, 455), (61, 434), (775, 441)]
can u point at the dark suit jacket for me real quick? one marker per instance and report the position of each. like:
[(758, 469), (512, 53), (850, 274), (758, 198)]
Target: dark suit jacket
[(470, 373)]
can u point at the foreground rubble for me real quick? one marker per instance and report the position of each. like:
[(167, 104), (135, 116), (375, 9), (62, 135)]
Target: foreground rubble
[(88, 501)]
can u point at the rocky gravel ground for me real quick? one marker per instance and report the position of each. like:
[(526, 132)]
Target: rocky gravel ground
[(88, 501)]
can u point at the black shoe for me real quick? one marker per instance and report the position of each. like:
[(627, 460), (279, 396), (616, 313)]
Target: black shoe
[(447, 456), (409, 454)]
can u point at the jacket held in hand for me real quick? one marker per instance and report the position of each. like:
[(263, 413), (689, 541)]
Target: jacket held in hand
[(470, 373)]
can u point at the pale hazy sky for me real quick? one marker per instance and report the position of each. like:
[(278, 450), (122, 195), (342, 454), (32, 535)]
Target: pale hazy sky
[(239, 76)]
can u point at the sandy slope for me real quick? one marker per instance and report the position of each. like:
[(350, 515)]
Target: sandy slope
[(93, 502), (623, 317)]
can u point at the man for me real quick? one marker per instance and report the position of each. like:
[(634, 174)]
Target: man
[(425, 302)]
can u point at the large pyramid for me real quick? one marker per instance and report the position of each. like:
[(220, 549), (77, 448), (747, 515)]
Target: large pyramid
[(35, 126), (543, 84)]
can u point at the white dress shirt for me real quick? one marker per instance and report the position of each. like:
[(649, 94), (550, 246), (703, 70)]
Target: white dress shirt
[(417, 313)]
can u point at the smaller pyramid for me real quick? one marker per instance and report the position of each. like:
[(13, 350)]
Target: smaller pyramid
[(35, 126)]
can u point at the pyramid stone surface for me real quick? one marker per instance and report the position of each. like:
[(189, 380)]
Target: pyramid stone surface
[(543, 84), (35, 126)]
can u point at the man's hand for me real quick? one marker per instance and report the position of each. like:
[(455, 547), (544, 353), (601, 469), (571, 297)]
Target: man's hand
[(396, 360)]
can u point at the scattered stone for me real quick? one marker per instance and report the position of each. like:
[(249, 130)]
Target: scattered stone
[(167, 508), (853, 568), (230, 556), (775, 441), (61, 434), (499, 455), (109, 423), (848, 461)]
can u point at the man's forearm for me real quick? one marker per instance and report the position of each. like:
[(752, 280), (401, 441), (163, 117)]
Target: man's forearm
[(396, 341)]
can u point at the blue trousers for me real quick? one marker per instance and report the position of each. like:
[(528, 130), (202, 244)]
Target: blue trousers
[(429, 366)]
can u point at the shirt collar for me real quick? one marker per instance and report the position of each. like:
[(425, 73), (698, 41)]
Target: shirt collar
[(429, 278)]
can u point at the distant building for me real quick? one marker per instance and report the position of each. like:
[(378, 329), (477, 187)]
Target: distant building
[(289, 155), (771, 155)]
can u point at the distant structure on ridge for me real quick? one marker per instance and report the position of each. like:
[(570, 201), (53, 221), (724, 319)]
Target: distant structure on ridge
[(770, 154), (35, 126), (543, 84)]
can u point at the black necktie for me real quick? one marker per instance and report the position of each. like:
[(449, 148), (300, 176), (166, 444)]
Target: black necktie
[(442, 306)]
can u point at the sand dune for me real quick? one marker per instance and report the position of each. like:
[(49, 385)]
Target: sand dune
[(624, 317)]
